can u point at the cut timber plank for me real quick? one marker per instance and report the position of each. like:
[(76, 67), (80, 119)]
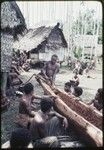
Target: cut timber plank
[(93, 116), (92, 131)]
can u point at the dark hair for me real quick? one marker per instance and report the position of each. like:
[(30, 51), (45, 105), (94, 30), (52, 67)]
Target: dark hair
[(28, 88), (68, 84), (100, 91), (46, 104), (78, 91), (55, 56), (67, 87), (20, 138)]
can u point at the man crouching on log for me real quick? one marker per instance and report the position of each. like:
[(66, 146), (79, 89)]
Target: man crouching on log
[(50, 70), (46, 125)]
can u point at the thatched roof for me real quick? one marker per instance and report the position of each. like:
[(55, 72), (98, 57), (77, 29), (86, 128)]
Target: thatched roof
[(51, 37), (56, 38), (12, 18), (12, 24)]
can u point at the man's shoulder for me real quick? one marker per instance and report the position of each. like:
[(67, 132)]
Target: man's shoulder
[(57, 65), (38, 118), (47, 62), (23, 101)]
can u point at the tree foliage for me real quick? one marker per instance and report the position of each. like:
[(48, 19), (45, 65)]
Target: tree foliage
[(86, 23)]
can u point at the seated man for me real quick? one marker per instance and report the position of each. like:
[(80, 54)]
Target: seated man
[(26, 100), (98, 101), (20, 138), (46, 123)]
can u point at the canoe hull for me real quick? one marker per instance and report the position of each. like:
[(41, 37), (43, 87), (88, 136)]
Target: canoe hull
[(83, 126)]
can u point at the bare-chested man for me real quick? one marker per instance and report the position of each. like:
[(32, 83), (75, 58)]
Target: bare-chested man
[(47, 123), (50, 69)]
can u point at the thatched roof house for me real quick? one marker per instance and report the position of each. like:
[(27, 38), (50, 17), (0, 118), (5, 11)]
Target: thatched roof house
[(42, 38), (12, 24)]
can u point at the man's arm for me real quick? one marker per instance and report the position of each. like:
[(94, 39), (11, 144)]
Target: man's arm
[(43, 70), (64, 120), (54, 75), (43, 97), (54, 113), (15, 70), (91, 102), (28, 111)]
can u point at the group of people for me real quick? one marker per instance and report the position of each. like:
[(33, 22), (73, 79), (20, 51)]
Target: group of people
[(72, 87), (42, 122), (81, 67), (20, 62)]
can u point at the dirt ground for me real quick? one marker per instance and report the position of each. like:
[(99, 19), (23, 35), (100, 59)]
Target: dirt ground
[(89, 86)]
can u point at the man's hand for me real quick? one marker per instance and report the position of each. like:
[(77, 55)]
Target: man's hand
[(47, 78), (101, 110), (33, 113), (92, 107), (53, 97), (65, 123)]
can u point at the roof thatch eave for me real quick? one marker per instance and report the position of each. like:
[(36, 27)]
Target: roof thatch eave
[(12, 20), (33, 38), (40, 36)]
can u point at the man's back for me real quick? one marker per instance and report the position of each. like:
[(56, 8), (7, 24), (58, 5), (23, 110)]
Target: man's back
[(37, 127)]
